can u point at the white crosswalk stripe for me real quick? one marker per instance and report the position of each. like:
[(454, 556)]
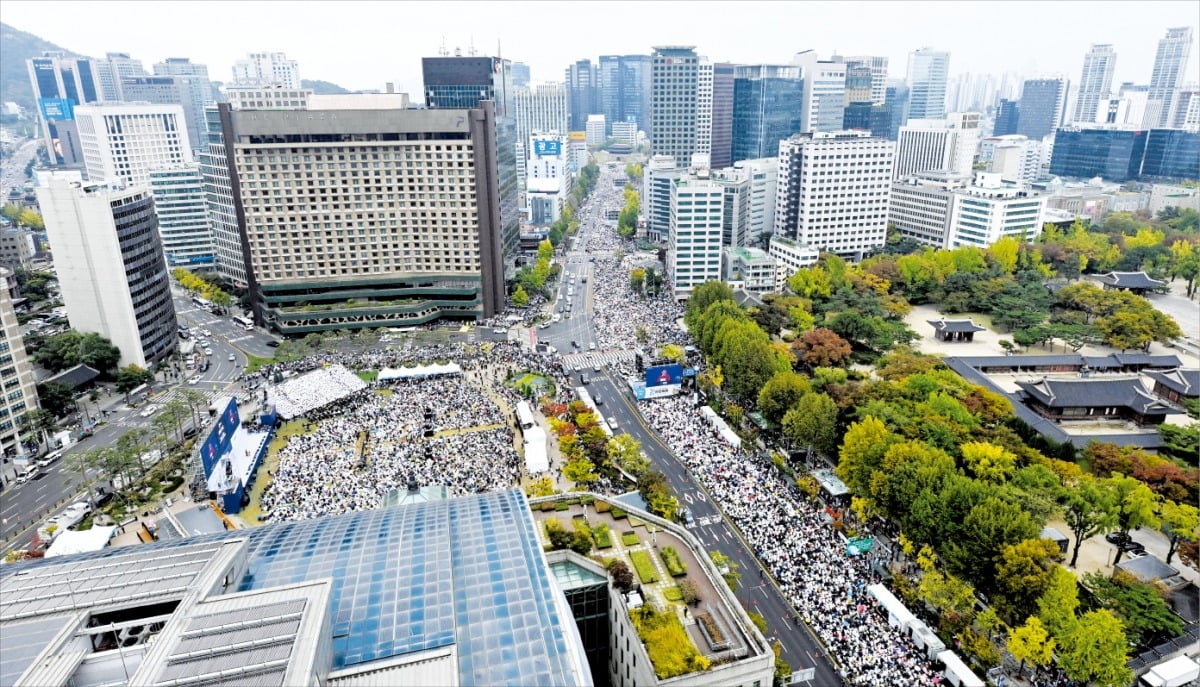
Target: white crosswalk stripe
[(203, 387), (581, 361)]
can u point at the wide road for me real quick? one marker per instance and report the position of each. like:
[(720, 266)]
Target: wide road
[(12, 172), (757, 591)]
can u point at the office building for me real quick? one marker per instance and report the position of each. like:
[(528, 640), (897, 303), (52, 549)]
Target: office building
[(1095, 83), (896, 100), (1042, 107), (720, 134), (548, 179), (1016, 158), (767, 100), (763, 175), (16, 374), (1114, 154), (674, 101), (367, 248), (624, 134), (625, 89), (1172, 154), (122, 142), (115, 67), (928, 70), (694, 236), (990, 209), (583, 93), (192, 93), (577, 150), (60, 84), (879, 75), (1187, 109), (542, 109), (222, 214), (704, 88), (938, 145), (17, 247), (920, 206), (400, 595), (520, 75), (824, 101), (1008, 114), (267, 69), (843, 209), (858, 82), (595, 130), (867, 116), (196, 89), (1164, 196), (107, 241), (658, 175), (735, 211), (790, 256), (181, 206), (463, 82), (749, 269), (266, 98), (1170, 68)]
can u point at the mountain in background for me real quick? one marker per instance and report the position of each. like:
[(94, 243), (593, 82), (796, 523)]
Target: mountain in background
[(323, 87), (15, 47)]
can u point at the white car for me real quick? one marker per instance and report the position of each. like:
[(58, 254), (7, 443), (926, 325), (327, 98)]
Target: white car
[(499, 330), (194, 380), (208, 351), (205, 332), (232, 357), (149, 410)]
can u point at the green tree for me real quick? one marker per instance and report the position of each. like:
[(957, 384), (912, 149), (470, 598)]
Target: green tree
[(952, 597), (1057, 605), (1135, 503), (987, 529), (42, 422), (703, 296), (862, 451), (31, 219), (1095, 650), (581, 471), (1089, 508), (1142, 611), (673, 352), (625, 451), (989, 462), (86, 465), (781, 393), (1031, 643), (519, 297), (543, 486), (56, 397), (131, 377), (1179, 521), (72, 348), (813, 421), (1023, 575)]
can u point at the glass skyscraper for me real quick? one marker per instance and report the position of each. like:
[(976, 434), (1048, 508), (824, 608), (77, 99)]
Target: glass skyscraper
[(1115, 155), (1172, 154), (625, 89), (766, 109)]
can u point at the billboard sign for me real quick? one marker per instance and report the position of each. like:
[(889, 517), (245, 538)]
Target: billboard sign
[(218, 440), (543, 147), (664, 375), (57, 108)]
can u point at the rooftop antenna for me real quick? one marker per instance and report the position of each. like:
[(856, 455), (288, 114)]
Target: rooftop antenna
[(442, 50), (471, 50)]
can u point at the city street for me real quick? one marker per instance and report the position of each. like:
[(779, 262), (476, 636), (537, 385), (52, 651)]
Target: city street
[(12, 174)]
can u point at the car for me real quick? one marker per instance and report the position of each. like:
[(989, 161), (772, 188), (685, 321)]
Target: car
[(612, 423), (583, 280), (556, 318), (543, 325), (592, 346), (232, 357), (583, 379), (574, 344), (208, 351), (194, 380), (596, 367), (599, 401), (499, 330), (49, 459), (686, 516), (273, 344), (205, 332), (1124, 542), (149, 410)]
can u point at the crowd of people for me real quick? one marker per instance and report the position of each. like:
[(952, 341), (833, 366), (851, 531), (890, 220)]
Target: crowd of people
[(620, 311), (314, 389), (825, 584)]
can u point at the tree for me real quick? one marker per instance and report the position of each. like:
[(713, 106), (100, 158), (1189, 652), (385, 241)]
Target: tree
[(1179, 521), (625, 451), (952, 597), (86, 464), (56, 398), (131, 377), (988, 528), (1031, 642), (1135, 505), (863, 447), (637, 279), (781, 393), (31, 219), (41, 421), (519, 297), (177, 411), (989, 462), (542, 486), (703, 296), (1089, 508), (1095, 650), (1142, 611), (72, 348), (1023, 575), (621, 575), (813, 422), (673, 352), (1056, 606), (821, 347)]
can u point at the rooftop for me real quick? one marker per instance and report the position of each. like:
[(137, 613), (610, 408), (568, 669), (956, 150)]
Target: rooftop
[(1095, 393), (1185, 381), (967, 325), (1130, 280)]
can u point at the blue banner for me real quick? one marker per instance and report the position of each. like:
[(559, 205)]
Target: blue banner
[(217, 443), (57, 108), (547, 147)]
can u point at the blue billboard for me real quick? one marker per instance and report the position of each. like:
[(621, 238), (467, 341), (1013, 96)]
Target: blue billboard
[(547, 147), (217, 442), (57, 108), (664, 375)]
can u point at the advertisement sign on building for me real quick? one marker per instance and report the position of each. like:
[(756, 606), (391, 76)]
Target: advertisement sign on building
[(217, 442), (577, 136), (543, 147)]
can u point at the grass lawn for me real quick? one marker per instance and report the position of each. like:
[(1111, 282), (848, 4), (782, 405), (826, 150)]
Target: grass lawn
[(630, 539), (367, 376), (254, 363), (644, 566), (673, 594)]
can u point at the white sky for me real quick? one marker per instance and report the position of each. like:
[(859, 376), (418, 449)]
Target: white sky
[(361, 45)]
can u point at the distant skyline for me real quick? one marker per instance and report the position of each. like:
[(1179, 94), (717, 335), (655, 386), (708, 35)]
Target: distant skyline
[(362, 45)]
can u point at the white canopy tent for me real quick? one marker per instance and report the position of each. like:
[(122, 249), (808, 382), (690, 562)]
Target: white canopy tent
[(536, 460), (898, 613), (419, 371), (80, 541)]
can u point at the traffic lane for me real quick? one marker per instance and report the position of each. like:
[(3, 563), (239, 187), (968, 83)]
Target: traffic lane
[(799, 647)]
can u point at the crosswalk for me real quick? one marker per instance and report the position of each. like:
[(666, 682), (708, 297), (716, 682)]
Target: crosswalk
[(176, 393), (583, 361), (704, 522)]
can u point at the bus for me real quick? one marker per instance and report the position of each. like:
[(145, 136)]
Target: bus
[(203, 303), (524, 415), (245, 322)]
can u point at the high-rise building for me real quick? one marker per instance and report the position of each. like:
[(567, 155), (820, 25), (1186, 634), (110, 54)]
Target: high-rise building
[(867, 116), (1170, 67), (946, 145), (266, 98), (625, 89), (1095, 83), (115, 67), (594, 130), (624, 134), (674, 101), (735, 212), (763, 175), (520, 75), (694, 239), (919, 206), (583, 92), (1172, 154), (766, 108), (20, 392), (789, 257), (122, 142), (192, 93), (842, 209), (879, 75), (824, 103), (704, 93), (658, 176), (1017, 158), (327, 250), (106, 244), (1008, 115), (721, 134), (267, 69), (180, 204), (198, 92), (548, 177), (897, 102), (544, 109), (463, 82), (218, 192), (990, 209), (928, 70), (1043, 103), (858, 82), (1114, 154), (60, 84), (1187, 109)]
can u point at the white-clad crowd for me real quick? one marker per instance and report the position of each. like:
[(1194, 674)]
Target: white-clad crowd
[(311, 390), (809, 559)]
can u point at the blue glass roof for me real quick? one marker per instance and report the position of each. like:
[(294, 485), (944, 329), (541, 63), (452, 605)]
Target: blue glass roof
[(466, 571)]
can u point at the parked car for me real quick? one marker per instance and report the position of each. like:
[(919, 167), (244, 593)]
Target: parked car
[(1123, 542), (49, 459), (273, 343)]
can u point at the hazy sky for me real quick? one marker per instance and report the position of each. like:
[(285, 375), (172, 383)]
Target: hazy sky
[(363, 44)]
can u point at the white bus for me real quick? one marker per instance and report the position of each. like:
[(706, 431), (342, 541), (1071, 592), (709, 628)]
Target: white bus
[(245, 322), (203, 303), (524, 415)]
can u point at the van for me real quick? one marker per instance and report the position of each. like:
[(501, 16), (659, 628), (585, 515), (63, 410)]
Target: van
[(27, 473), (49, 459)]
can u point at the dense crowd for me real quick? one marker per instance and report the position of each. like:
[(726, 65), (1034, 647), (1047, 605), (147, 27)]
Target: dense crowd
[(314, 389), (791, 538)]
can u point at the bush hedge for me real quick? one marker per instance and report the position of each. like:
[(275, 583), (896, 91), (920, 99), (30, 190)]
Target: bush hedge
[(618, 513), (670, 558), (602, 536), (560, 505), (603, 506), (644, 566), (673, 594)]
